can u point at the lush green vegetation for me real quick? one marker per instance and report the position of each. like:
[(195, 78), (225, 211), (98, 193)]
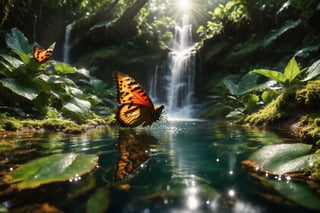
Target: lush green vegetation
[(52, 90), (102, 43), (258, 65)]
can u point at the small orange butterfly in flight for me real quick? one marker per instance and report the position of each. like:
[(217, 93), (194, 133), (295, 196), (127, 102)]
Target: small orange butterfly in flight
[(41, 55), (136, 107)]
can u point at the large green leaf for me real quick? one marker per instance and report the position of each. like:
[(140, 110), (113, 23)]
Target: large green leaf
[(55, 79), (272, 74), (64, 68), (297, 192), (292, 70), (16, 40), (83, 72), (23, 56), (53, 168), (287, 159), (12, 61), (247, 83), (77, 105), (284, 158), (274, 34), (313, 71), (76, 108), (19, 88)]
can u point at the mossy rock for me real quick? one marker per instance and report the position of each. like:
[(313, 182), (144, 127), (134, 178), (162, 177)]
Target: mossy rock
[(309, 96), (269, 114)]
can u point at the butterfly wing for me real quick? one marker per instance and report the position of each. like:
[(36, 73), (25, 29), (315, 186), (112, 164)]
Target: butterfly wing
[(136, 107), (130, 92), (133, 115), (42, 55)]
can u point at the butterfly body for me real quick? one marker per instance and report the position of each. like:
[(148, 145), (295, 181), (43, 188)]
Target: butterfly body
[(41, 55), (136, 107)]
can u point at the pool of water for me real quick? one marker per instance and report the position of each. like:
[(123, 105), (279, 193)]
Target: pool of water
[(192, 166)]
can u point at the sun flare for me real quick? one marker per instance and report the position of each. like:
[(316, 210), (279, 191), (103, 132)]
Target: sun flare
[(184, 5)]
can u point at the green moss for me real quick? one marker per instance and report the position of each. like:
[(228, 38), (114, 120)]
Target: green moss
[(268, 114), (315, 171), (61, 125), (309, 96), (53, 124), (10, 124), (294, 104), (310, 127)]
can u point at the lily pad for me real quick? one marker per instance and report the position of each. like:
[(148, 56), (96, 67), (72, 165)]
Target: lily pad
[(287, 159), (53, 168), (284, 158), (297, 192)]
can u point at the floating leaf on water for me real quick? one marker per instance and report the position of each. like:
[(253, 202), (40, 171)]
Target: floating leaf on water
[(297, 192), (99, 202), (283, 158), (286, 159), (53, 168)]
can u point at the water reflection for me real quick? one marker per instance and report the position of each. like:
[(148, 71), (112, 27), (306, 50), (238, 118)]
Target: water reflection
[(133, 151), (175, 167)]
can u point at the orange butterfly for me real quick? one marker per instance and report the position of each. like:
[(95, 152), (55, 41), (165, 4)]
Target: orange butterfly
[(41, 55), (136, 107)]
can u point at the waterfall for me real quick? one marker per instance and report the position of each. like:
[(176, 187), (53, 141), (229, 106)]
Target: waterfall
[(175, 91), (66, 46)]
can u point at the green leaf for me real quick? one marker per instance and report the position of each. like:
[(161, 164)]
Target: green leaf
[(55, 79), (292, 70), (64, 68), (313, 71), (53, 168), (250, 101), (78, 105), (17, 41), (84, 72), (297, 192), (74, 91), (14, 62), (19, 88), (23, 56), (284, 158), (76, 108), (272, 74), (230, 85), (99, 202), (247, 83), (274, 34), (234, 115), (268, 95)]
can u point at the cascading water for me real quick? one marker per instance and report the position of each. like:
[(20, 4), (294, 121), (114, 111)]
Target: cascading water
[(66, 46), (178, 84)]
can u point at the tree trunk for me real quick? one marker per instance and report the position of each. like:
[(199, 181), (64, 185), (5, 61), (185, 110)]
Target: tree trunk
[(124, 23)]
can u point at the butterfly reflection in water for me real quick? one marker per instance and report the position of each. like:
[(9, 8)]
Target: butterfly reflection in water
[(41, 55), (136, 107), (133, 151)]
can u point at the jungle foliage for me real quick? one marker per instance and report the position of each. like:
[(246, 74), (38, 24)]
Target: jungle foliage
[(49, 90), (243, 94)]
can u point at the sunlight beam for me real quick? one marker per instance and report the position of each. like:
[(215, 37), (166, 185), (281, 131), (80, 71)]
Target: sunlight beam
[(184, 5)]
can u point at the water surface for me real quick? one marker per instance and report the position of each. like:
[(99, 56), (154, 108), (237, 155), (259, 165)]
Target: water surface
[(177, 166)]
